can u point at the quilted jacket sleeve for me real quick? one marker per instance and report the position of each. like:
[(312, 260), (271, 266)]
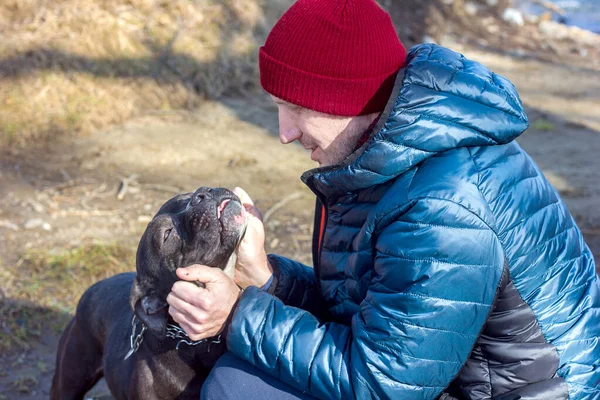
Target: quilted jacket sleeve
[(295, 285), (437, 268)]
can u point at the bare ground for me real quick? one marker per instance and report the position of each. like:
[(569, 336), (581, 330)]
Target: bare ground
[(65, 196)]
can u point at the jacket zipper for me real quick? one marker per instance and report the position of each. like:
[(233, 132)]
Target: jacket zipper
[(320, 237), (320, 224)]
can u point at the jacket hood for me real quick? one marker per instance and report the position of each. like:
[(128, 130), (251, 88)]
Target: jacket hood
[(441, 101)]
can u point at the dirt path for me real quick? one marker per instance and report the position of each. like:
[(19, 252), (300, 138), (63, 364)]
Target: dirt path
[(66, 196)]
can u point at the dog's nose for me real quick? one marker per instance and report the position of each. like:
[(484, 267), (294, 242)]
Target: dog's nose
[(200, 195)]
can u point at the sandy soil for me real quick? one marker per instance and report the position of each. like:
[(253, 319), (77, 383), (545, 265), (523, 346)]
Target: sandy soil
[(71, 187)]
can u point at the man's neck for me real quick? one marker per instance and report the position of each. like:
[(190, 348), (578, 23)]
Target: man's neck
[(367, 134)]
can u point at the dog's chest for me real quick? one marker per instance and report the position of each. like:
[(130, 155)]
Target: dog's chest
[(154, 375)]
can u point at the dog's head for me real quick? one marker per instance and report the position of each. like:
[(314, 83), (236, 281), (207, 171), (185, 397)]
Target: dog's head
[(204, 227)]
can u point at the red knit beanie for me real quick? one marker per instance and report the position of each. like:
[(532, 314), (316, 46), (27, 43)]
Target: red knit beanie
[(338, 57)]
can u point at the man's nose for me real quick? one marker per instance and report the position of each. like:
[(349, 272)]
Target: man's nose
[(288, 135), (288, 130)]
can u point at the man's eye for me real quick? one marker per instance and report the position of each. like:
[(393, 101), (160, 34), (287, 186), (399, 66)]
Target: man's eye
[(167, 234)]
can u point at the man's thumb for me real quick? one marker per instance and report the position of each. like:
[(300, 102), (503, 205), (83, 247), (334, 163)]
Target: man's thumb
[(199, 273), (247, 203), (244, 197)]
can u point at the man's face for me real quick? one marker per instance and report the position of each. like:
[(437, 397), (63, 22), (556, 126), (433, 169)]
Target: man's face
[(329, 138)]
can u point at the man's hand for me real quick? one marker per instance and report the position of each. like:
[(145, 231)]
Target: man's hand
[(202, 312), (252, 267)]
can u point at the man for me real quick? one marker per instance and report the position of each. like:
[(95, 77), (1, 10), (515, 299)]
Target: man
[(445, 264)]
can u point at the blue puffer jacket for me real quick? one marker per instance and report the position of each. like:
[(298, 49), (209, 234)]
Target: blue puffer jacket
[(448, 267)]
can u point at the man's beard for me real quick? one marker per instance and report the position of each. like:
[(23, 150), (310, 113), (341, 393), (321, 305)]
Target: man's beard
[(340, 149)]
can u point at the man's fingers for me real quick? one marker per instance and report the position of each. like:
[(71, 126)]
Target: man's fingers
[(196, 333), (194, 330), (189, 328), (177, 315), (244, 198), (247, 203), (255, 212), (181, 317), (181, 305), (201, 273)]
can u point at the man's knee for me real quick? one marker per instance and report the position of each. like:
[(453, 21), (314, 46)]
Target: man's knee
[(221, 378), (234, 378)]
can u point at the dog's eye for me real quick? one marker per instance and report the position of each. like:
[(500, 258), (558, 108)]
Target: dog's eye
[(167, 234)]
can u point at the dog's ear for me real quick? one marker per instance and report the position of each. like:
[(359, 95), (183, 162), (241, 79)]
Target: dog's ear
[(153, 313), (136, 293), (149, 309)]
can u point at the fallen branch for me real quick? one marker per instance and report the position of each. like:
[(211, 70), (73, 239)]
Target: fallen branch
[(550, 6), (274, 243), (8, 225), (280, 204), (125, 182), (167, 50), (83, 213), (65, 185), (161, 188), (65, 175)]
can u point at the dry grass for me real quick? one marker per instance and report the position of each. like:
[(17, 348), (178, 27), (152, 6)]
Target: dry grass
[(57, 279), (75, 65), (43, 288)]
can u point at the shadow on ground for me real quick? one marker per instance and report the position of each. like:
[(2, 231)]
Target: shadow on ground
[(231, 71), (28, 341), (73, 183)]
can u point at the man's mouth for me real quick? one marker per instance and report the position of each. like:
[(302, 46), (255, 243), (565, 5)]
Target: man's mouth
[(221, 207)]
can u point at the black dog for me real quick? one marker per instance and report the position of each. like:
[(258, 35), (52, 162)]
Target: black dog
[(107, 337)]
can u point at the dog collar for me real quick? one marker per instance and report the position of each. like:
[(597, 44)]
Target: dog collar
[(173, 332), (135, 340), (176, 332)]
